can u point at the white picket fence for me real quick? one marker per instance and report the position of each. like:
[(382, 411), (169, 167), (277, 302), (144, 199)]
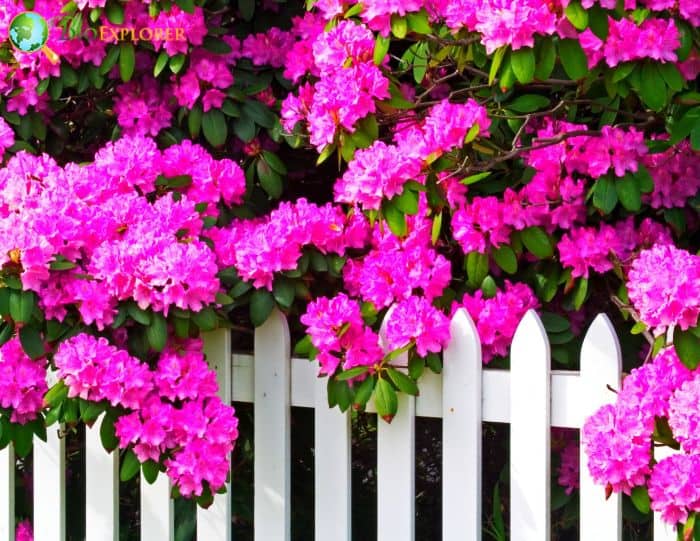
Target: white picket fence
[(530, 397)]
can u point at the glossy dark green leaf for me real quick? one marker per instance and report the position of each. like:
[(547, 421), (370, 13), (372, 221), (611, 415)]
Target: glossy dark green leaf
[(261, 304), (577, 16), (477, 267), (628, 193), (537, 242), (687, 345), (127, 61), (130, 466), (214, 127), (403, 382), (157, 332), (573, 59), (605, 194), (385, 400), (206, 319), (652, 87), (363, 392), (505, 258), (32, 342), (522, 62), (284, 291)]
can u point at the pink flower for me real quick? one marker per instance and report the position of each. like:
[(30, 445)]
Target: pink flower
[(416, 320), (664, 287), (24, 532), (673, 487), (22, 382)]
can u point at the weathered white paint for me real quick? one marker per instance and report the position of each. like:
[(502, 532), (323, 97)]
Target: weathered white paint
[(50, 487), (157, 510)]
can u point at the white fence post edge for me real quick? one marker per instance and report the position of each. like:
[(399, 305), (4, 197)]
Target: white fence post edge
[(50, 487), (101, 488), (332, 469), (7, 493), (272, 469), (461, 432), (530, 432), (396, 459), (601, 364), (214, 524)]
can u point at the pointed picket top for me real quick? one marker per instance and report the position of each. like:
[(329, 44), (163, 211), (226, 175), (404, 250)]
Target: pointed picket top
[(601, 365), (461, 431), (530, 431)]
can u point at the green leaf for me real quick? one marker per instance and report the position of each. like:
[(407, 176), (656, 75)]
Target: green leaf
[(157, 332), (274, 161), (546, 58), (488, 287), (605, 194), (261, 304), (283, 291), (554, 323), (687, 346), (244, 128), (528, 103), (363, 392), (247, 9), (160, 64), (644, 180), (23, 437), (573, 59), (672, 76), (628, 193), (6, 331), (537, 242), (92, 412), (477, 266), (505, 258), (396, 220), (496, 63), (418, 22), (22, 305), (127, 61), (436, 228), (130, 466), (177, 62), (580, 292), (352, 373), (471, 179), (115, 12), (138, 315), (640, 499), (56, 394), (577, 15), (652, 87), (270, 180), (523, 63), (385, 400), (32, 342), (399, 26), (108, 63), (403, 382), (107, 432), (186, 5), (260, 113), (214, 127), (407, 201), (62, 264), (150, 471), (303, 346), (206, 319), (381, 48)]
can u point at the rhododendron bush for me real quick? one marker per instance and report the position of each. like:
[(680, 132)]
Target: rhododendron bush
[(368, 169)]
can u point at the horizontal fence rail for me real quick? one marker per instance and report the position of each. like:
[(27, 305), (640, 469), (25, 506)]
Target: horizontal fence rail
[(530, 397)]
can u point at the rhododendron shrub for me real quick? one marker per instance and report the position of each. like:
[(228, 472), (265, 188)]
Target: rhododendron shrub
[(368, 169)]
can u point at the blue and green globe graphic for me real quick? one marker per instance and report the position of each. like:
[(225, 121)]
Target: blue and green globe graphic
[(29, 31)]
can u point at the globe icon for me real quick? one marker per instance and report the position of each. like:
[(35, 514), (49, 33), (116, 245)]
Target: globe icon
[(29, 31)]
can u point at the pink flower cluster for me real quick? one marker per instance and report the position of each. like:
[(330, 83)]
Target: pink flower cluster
[(498, 317), (656, 39), (394, 269), (664, 287), (7, 137), (500, 22), (261, 247), (589, 248), (673, 487), (337, 330), (22, 382), (98, 219), (676, 174), (416, 320), (24, 532), (208, 75), (347, 89), (172, 410), (617, 437), (688, 9), (568, 472), (382, 170)]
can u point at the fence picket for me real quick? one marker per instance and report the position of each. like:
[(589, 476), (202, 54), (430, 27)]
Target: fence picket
[(101, 488), (157, 510), (461, 432), (601, 363), (530, 432), (50, 487), (214, 524), (332, 469), (272, 469), (7, 493), (396, 459)]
